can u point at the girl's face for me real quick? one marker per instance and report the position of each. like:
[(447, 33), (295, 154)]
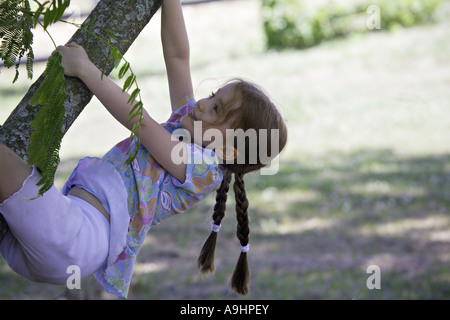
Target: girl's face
[(212, 112)]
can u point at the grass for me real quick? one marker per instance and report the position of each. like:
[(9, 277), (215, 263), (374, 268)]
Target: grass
[(364, 180)]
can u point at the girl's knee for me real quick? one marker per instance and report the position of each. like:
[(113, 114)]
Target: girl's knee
[(13, 171)]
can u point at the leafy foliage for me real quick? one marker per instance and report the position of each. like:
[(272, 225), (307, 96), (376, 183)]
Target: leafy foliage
[(17, 20), (302, 24), (53, 13), (46, 138), (16, 36)]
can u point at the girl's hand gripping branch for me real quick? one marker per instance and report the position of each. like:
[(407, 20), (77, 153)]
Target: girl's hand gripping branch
[(75, 60)]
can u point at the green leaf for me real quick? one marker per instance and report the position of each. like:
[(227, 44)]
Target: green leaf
[(53, 12), (117, 56), (137, 106), (137, 113), (135, 127), (124, 69), (47, 18), (16, 35), (38, 13), (129, 82), (134, 95), (45, 141)]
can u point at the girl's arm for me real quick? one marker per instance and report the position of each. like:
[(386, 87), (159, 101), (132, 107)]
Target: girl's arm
[(176, 51), (156, 139)]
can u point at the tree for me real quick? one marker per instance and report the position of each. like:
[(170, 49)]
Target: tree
[(125, 18)]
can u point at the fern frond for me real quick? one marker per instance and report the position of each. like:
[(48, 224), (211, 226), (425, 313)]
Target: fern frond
[(45, 141), (16, 37)]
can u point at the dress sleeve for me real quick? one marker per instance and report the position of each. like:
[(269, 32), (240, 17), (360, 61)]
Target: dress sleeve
[(203, 173), (186, 104)]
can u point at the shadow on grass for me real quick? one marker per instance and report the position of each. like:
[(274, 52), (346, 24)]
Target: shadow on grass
[(338, 215), (364, 180), (315, 228)]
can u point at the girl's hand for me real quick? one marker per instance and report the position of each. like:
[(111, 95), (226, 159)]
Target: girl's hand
[(74, 59)]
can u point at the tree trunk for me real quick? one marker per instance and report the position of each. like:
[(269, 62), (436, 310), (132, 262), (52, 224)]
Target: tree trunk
[(126, 18)]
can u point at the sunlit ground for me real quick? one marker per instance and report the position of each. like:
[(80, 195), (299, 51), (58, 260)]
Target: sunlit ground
[(364, 180)]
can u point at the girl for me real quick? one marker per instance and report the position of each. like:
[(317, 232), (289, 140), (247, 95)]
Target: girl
[(101, 218)]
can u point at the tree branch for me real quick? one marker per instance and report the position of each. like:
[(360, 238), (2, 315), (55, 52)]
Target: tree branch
[(125, 18)]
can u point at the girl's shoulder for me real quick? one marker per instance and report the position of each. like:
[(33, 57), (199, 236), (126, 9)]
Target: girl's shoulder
[(182, 108), (189, 99), (185, 105)]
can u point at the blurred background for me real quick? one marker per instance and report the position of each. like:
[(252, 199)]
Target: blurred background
[(365, 178)]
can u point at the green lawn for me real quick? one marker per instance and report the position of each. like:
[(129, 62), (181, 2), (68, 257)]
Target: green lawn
[(364, 180)]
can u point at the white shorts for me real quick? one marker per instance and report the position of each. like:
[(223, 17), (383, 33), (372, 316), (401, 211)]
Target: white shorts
[(52, 233)]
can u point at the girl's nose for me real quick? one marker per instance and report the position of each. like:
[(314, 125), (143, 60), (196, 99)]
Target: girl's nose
[(200, 105)]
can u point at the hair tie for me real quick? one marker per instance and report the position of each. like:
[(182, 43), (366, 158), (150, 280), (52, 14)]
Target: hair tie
[(215, 227), (244, 249)]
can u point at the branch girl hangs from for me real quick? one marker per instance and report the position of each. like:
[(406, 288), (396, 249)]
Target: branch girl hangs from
[(101, 217)]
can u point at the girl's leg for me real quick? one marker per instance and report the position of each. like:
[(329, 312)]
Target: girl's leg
[(13, 171), (50, 233)]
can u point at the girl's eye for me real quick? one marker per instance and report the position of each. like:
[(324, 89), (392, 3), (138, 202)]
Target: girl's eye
[(216, 108)]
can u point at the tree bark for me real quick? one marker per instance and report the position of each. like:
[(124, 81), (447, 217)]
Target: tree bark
[(125, 18)]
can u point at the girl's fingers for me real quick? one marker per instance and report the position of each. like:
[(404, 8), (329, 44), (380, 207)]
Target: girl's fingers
[(69, 45), (72, 44)]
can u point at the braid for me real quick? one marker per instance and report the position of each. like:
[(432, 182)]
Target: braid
[(254, 111), (221, 198), (241, 275), (241, 209), (205, 260)]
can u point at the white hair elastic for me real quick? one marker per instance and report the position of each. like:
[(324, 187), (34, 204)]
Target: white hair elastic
[(215, 227), (245, 249)]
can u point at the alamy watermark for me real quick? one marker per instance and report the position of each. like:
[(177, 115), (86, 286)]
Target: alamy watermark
[(252, 146), (74, 280), (374, 280), (374, 19)]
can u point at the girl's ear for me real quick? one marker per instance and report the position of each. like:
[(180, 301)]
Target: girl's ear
[(227, 153)]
